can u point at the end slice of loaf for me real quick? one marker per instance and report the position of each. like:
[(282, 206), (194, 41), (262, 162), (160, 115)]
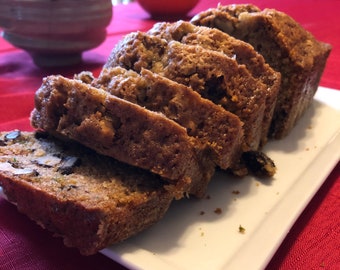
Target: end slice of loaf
[(219, 129), (286, 46), (212, 74), (242, 52), (122, 130), (89, 200)]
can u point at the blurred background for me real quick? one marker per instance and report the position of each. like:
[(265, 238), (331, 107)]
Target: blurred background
[(116, 2)]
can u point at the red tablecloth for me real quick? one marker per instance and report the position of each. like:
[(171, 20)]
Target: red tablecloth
[(312, 243)]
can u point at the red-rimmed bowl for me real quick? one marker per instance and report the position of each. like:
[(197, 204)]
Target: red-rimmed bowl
[(160, 9)]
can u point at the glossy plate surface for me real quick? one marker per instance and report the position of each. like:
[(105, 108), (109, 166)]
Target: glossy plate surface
[(205, 234)]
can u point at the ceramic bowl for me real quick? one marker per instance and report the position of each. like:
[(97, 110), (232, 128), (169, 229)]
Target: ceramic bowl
[(55, 32)]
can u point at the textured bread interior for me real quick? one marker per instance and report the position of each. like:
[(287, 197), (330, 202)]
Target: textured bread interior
[(94, 202)]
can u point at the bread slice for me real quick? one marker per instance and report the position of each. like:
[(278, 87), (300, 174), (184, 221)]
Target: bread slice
[(286, 46), (204, 120), (212, 74), (123, 130), (242, 52), (90, 200)]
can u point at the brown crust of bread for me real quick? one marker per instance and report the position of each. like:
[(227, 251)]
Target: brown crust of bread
[(213, 75), (122, 130), (219, 129), (242, 52), (286, 46)]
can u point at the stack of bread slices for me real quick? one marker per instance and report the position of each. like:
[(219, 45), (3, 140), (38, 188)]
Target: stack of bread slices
[(169, 107)]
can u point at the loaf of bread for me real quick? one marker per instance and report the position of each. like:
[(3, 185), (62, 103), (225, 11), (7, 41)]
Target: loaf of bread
[(286, 46), (124, 131), (90, 200), (212, 74), (242, 52), (169, 106), (204, 120)]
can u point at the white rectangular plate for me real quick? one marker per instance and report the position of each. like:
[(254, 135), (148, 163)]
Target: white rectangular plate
[(204, 234)]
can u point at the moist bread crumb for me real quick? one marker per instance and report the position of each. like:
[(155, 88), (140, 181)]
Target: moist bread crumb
[(242, 52), (123, 130), (98, 202), (212, 74), (215, 127), (150, 145), (286, 46)]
